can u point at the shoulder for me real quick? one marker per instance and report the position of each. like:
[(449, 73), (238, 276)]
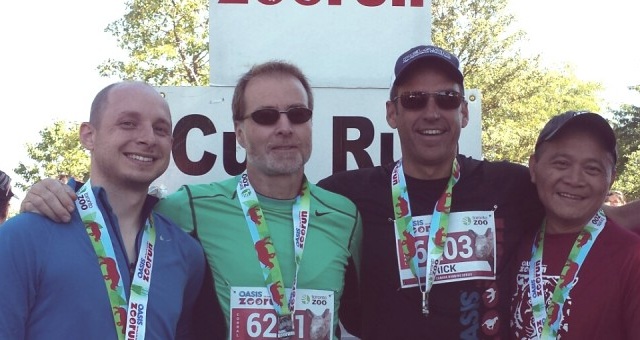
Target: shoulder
[(500, 175), (197, 191), (619, 244), (178, 247), (335, 212), (620, 248), (621, 236), (31, 225), (32, 235), (351, 181), (349, 175), (332, 200), (184, 197), (494, 168), (170, 230), (226, 188)]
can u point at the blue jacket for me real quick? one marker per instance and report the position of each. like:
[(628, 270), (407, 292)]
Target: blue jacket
[(51, 286)]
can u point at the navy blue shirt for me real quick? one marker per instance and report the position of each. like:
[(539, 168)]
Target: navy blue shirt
[(51, 286)]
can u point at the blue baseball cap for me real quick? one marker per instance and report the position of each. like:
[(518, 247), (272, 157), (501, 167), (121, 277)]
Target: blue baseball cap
[(436, 54), (588, 121)]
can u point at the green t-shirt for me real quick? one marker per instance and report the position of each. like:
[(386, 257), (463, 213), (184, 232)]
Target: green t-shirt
[(214, 212)]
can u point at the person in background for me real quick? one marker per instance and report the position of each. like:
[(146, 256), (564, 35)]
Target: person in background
[(615, 198), (63, 178), (118, 269), (578, 273), (6, 194)]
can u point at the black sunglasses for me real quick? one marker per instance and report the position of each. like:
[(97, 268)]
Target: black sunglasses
[(446, 100), (296, 115)]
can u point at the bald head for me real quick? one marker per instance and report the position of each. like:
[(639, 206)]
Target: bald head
[(101, 100)]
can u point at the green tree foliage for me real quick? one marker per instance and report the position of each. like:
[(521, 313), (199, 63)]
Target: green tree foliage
[(58, 152), (518, 95), (628, 181), (627, 126), (167, 43)]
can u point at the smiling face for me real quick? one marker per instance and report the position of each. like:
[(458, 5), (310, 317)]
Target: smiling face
[(573, 173), (428, 136), (282, 148), (130, 139)]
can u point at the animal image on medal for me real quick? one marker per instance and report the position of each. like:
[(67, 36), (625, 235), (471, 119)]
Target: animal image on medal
[(285, 327)]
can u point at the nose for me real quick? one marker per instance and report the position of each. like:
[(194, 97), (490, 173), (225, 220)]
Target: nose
[(574, 175), (146, 134), (431, 109), (284, 125)]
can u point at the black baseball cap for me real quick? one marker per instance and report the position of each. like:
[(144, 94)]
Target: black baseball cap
[(5, 186), (588, 121)]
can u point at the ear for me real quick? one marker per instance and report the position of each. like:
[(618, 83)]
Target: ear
[(87, 135), (464, 111), (392, 113), (613, 177), (238, 127), (532, 164), (309, 313)]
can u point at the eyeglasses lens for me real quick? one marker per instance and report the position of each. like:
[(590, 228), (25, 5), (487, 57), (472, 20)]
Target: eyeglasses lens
[(296, 115), (418, 100)]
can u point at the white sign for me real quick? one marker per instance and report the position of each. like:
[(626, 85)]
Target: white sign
[(347, 49), (336, 43), (350, 131)]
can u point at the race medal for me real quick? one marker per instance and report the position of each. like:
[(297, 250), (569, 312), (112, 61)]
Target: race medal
[(438, 228), (129, 316), (285, 327), (547, 317), (425, 304), (261, 236)]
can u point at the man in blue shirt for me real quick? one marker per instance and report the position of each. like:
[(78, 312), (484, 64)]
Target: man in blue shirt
[(120, 270)]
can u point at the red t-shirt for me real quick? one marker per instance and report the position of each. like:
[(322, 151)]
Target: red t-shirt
[(605, 300)]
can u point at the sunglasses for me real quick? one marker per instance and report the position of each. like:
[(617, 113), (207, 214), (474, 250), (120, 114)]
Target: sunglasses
[(446, 100), (296, 115)]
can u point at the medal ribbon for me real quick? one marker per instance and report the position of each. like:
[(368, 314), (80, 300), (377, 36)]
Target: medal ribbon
[(131, 316), (264, 244), (547, 318), (437, 230)]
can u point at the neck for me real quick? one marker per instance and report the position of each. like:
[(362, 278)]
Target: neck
[(278, 187), (558, 227), (427, 172), (126, 203)]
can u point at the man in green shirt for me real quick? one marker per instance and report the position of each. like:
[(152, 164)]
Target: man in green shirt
[(281, 249)]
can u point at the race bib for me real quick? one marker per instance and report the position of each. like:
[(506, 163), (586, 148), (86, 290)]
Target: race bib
[(252, 315), (469, 251)]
